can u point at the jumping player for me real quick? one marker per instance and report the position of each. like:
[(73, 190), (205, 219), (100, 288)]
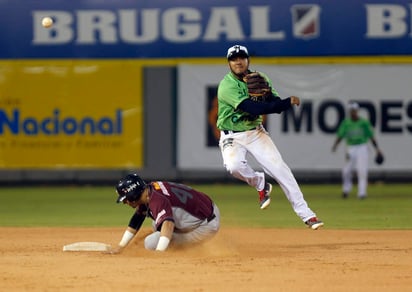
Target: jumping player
[(242, 133), (180, 214)]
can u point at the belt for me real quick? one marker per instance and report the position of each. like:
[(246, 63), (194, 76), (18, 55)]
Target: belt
[(231, 132), (211, 217)]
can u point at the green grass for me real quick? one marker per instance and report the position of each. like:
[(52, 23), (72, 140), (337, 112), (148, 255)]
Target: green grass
[(389, 206)]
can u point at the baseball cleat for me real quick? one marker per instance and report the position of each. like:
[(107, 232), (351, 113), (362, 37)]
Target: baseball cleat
[(314, 223), (264, 196)]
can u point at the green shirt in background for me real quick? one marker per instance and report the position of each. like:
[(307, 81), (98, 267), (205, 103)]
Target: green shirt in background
[(355, 132), (231, 92)]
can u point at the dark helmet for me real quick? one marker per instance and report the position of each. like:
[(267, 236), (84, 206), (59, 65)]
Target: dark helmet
[(130, 187), (237, 51)]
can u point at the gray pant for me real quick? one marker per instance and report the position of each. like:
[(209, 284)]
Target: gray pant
[(202, 232)]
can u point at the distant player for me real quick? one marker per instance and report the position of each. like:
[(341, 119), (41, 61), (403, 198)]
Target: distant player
[(181, 215), (242, 100), (356, 131)]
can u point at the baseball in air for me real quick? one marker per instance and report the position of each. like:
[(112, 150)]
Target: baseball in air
[(47, 22)]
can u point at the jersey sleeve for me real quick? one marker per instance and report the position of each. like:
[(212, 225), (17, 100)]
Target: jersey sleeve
[(138, 217), (161, 209), (136, 221)]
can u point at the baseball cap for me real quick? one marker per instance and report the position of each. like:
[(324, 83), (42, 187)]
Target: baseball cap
[(353, 105), (237, 51)]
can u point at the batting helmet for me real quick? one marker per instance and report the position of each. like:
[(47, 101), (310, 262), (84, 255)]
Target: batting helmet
[(237, 51), (130, 187)]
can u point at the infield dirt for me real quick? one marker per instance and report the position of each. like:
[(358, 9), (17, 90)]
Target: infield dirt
[(235, 260)]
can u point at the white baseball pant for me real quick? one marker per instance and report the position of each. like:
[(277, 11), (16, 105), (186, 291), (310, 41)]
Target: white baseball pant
[(357, 159), (235, 146)]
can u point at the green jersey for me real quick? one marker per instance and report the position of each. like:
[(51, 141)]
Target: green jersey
[(231, 92), (355, 132)]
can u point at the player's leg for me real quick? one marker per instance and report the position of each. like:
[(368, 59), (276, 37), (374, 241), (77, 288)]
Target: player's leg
[(205, 231), (150, 241), (362, 170), (347, 169), (268, 156), (235, 162)]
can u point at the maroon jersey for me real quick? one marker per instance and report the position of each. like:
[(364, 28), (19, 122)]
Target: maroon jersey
[(179, 203)]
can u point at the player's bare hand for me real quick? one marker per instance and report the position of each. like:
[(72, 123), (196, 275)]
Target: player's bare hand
[(115, 250), (294, 100)]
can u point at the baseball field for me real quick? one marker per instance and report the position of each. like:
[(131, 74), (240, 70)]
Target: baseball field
[(366, 245)]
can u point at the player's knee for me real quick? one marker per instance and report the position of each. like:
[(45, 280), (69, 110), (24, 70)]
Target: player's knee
[(235, 167), (150, 242)]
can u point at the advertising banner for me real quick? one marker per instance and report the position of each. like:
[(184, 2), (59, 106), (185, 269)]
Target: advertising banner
[(183, 28), (70, 114), (305, 135)]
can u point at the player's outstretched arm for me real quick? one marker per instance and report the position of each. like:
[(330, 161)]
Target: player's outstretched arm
[(166, 233), (128, 235), (335, 145), (273, 106)]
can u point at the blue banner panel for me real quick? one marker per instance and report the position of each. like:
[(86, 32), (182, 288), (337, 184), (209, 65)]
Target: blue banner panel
[(183, 29)]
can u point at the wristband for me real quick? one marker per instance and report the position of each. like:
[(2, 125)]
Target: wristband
[(163, 243), (127, 236)]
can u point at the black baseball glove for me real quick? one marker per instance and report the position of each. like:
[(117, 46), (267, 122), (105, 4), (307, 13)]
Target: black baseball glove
[(258, 87), (379, 158)]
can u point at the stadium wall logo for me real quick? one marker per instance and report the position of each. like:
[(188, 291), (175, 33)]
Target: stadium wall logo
[(306, 21), (57, 124)]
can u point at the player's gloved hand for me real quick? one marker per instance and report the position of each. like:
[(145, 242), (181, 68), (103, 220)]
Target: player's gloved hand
[(379, 158), (258, 87)]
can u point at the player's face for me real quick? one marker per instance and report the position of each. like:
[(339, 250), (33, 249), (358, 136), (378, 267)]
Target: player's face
[(354, 115), (132, 204), (239, 65), (144, 199)]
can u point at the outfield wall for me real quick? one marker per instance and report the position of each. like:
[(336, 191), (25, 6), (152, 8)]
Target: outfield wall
[(179, 141)]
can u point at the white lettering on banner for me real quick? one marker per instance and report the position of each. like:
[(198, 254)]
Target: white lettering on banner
[(176, 31), (61, 31), (260, 25), (388, 117), (386, 21), (149, 31), (101, 22), (224, 21), (185, 24), (178, 25)]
